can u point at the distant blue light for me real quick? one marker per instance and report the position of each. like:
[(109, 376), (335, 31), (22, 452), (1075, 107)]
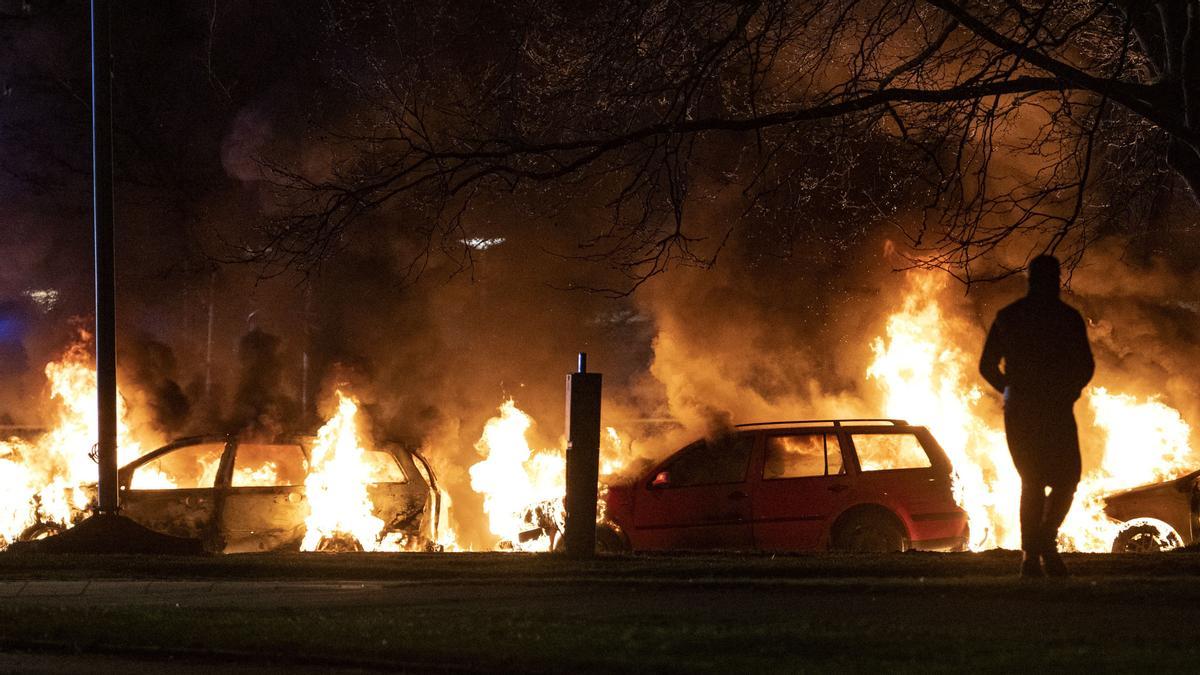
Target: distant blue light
[(12, 329)]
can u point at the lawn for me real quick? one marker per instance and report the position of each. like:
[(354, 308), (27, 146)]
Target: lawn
[(702, 613)]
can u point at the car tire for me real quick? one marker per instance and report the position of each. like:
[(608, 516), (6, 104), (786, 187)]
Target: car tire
[(609, 540), (339, 544), (869, 533), (40, 531), (1144, 538)]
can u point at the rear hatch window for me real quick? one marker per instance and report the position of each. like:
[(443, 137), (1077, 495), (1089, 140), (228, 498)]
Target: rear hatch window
[(886, 452)]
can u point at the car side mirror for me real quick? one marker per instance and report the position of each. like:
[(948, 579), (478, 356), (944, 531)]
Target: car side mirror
[(661, 479)]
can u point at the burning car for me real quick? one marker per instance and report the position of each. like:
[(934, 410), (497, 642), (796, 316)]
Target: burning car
[(1157, 516), (237, 495), (851, 484)]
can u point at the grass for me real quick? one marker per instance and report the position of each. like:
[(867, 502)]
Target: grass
[(694, 613)]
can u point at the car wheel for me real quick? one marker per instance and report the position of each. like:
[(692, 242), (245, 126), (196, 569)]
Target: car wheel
[(869, 534), (609, 540), (339, 543), (40, 531), (1146, 537)]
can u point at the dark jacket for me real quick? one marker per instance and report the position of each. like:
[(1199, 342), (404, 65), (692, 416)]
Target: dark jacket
[(1043, 343)]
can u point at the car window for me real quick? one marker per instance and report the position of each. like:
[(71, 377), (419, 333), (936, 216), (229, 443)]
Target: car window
[(708, 462), (803, 455), (191, 466), (269, 465), (880, 452), (384, 467)]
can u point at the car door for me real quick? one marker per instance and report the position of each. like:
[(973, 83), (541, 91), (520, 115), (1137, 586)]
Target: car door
[(699, 498), (264, 506), (803, 485), (173, 490), (399, 492)]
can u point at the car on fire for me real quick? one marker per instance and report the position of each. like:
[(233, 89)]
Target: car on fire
[(237, 495), (849, 484), (1156, 517)]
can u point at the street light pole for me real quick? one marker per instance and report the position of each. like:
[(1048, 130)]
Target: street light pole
[(102, 221)]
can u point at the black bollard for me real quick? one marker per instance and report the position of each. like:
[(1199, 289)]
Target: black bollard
[(583, 461)]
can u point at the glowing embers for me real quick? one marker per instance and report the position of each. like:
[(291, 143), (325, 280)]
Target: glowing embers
[(342, 514)]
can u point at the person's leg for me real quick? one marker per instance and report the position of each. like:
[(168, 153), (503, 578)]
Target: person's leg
[(1064, 473), (1057, 504), (1020, 431), (1033, 508)]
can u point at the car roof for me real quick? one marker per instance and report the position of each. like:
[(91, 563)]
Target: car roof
[(844, 422)]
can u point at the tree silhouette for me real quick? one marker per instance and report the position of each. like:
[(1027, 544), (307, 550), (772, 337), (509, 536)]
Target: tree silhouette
[(971, 124)]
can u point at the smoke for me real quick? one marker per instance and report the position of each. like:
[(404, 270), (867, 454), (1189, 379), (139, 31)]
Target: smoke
[(150, 381), (260, 406)]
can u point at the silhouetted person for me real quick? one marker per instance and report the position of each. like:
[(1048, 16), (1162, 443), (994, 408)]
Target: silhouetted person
[(1047, 362)]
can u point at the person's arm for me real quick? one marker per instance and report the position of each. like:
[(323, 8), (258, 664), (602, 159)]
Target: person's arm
[(989, 363)]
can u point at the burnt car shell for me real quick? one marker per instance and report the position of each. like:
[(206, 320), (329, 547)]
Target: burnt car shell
[(231, 514), (1175, 502)]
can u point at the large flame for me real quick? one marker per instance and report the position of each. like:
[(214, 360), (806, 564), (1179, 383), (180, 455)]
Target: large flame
[(513, 478), (45, 480), (1145, 441), (523, 489), (336, 485), (928, 378)]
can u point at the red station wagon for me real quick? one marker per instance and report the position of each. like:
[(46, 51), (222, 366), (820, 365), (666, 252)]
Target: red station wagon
[(854, 484)]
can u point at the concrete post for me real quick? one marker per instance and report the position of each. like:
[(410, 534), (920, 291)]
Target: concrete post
[(583, 461)]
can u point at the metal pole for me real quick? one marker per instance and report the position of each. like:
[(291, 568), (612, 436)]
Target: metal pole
[(208, 342), (102, 220), (583, 461), (304, 355)]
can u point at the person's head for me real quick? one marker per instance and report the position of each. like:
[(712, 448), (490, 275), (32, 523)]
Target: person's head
[(1044, 275)]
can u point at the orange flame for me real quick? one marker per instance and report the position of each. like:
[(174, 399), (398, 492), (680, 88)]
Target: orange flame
[(336, 485), (47, 479), (928, 379)]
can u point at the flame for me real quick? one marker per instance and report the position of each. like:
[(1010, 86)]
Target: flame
[(1145, 441), (513, 478), (928, 379), (336, 485), (47, 480), (447, 538), (523, 489), (267, 474)]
